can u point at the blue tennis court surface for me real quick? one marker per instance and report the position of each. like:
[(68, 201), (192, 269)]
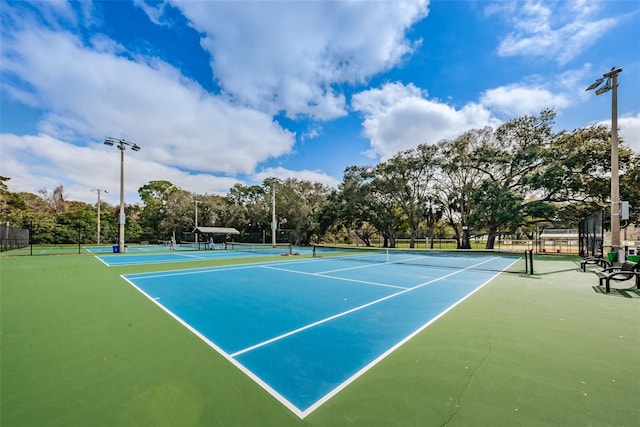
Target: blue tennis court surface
[(177, 256), (305, 329), (130, 248)]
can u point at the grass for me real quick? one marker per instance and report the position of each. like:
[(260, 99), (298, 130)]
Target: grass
[(81, 347)]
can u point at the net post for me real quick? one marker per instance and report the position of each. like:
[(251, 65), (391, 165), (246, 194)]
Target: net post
[(526, 261), (530, 261), (314, 251)]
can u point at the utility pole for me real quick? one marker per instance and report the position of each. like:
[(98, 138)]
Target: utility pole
[(611, 83), (99, 190), (274, 224)]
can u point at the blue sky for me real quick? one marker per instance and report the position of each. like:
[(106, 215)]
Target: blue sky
[(222, 92)]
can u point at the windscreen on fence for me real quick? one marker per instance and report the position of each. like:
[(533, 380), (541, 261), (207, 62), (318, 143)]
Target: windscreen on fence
[(13, 238), (591, 234)]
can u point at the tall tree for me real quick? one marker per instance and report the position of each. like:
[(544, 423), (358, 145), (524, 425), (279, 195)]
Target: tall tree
[(408, 177), (248, 209), (458, 179), (155, 196), (55, 200), (575, 175), (351, 206), (298, 205), (509, 159)]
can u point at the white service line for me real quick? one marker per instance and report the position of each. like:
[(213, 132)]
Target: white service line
[(344, 313), (323, 274)]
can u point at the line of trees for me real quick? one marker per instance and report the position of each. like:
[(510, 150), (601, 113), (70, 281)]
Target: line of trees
[(490, 182)]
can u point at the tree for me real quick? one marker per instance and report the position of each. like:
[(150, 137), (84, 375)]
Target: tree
[(12, 206), (385, 214), (155, 196), (407, 178), (247, 208), (630, 187), (298, 205), (54, 200), (495, 208), (509, 159), (458, 179), (351, 206), (575, 175)]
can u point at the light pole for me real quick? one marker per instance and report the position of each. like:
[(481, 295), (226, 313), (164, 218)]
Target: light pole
[(611, 83), (274, 224), (99, 190), (121, 144), (164, 196), (196, 202)]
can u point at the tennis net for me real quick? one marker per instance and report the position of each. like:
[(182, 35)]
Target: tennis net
[(192, 246), (261, 248), (488, 260)]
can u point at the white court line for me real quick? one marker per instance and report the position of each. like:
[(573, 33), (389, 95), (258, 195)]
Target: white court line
[(231, 358), (322, 274), (200, 270), (344, 313), (374, 362), (224, 354)]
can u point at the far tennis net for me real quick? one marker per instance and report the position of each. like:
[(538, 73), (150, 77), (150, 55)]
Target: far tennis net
[(489, 260), (261, 248), (192, 246)]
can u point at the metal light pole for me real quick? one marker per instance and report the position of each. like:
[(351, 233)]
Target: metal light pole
[(611, 83), (99, 190), (121, 144), (164, 204), (274, 224), (196, 202)]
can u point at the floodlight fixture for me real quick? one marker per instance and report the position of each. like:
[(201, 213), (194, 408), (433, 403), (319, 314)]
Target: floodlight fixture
[(595, 84), (121, 144), (605, 88), (614, 72)]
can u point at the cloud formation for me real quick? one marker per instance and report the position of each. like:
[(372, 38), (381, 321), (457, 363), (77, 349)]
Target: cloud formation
[(51, 162), (291, 56), (518, 99), (629, 131), (541, 30), (398, 117), (90, 92)]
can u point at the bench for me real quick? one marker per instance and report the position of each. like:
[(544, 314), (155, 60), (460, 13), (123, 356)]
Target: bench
[(626, 271), (595, 261)]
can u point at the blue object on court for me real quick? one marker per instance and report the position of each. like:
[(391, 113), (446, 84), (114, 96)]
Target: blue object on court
[(308, 328)]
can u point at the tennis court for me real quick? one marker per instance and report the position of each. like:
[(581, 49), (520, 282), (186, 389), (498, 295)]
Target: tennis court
[(82, 347), (236, 251), (304, 330)]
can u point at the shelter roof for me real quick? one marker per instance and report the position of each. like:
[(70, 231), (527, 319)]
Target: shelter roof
[(216, 230)]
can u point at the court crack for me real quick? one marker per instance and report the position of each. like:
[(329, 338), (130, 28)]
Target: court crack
[(466, 387)]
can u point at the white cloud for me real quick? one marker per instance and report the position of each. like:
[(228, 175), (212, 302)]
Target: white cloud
[(92, 94), (560, 31), (37, 162), (630, 131), (282, 173), (398, 117), (518, 99), (288, 56)]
